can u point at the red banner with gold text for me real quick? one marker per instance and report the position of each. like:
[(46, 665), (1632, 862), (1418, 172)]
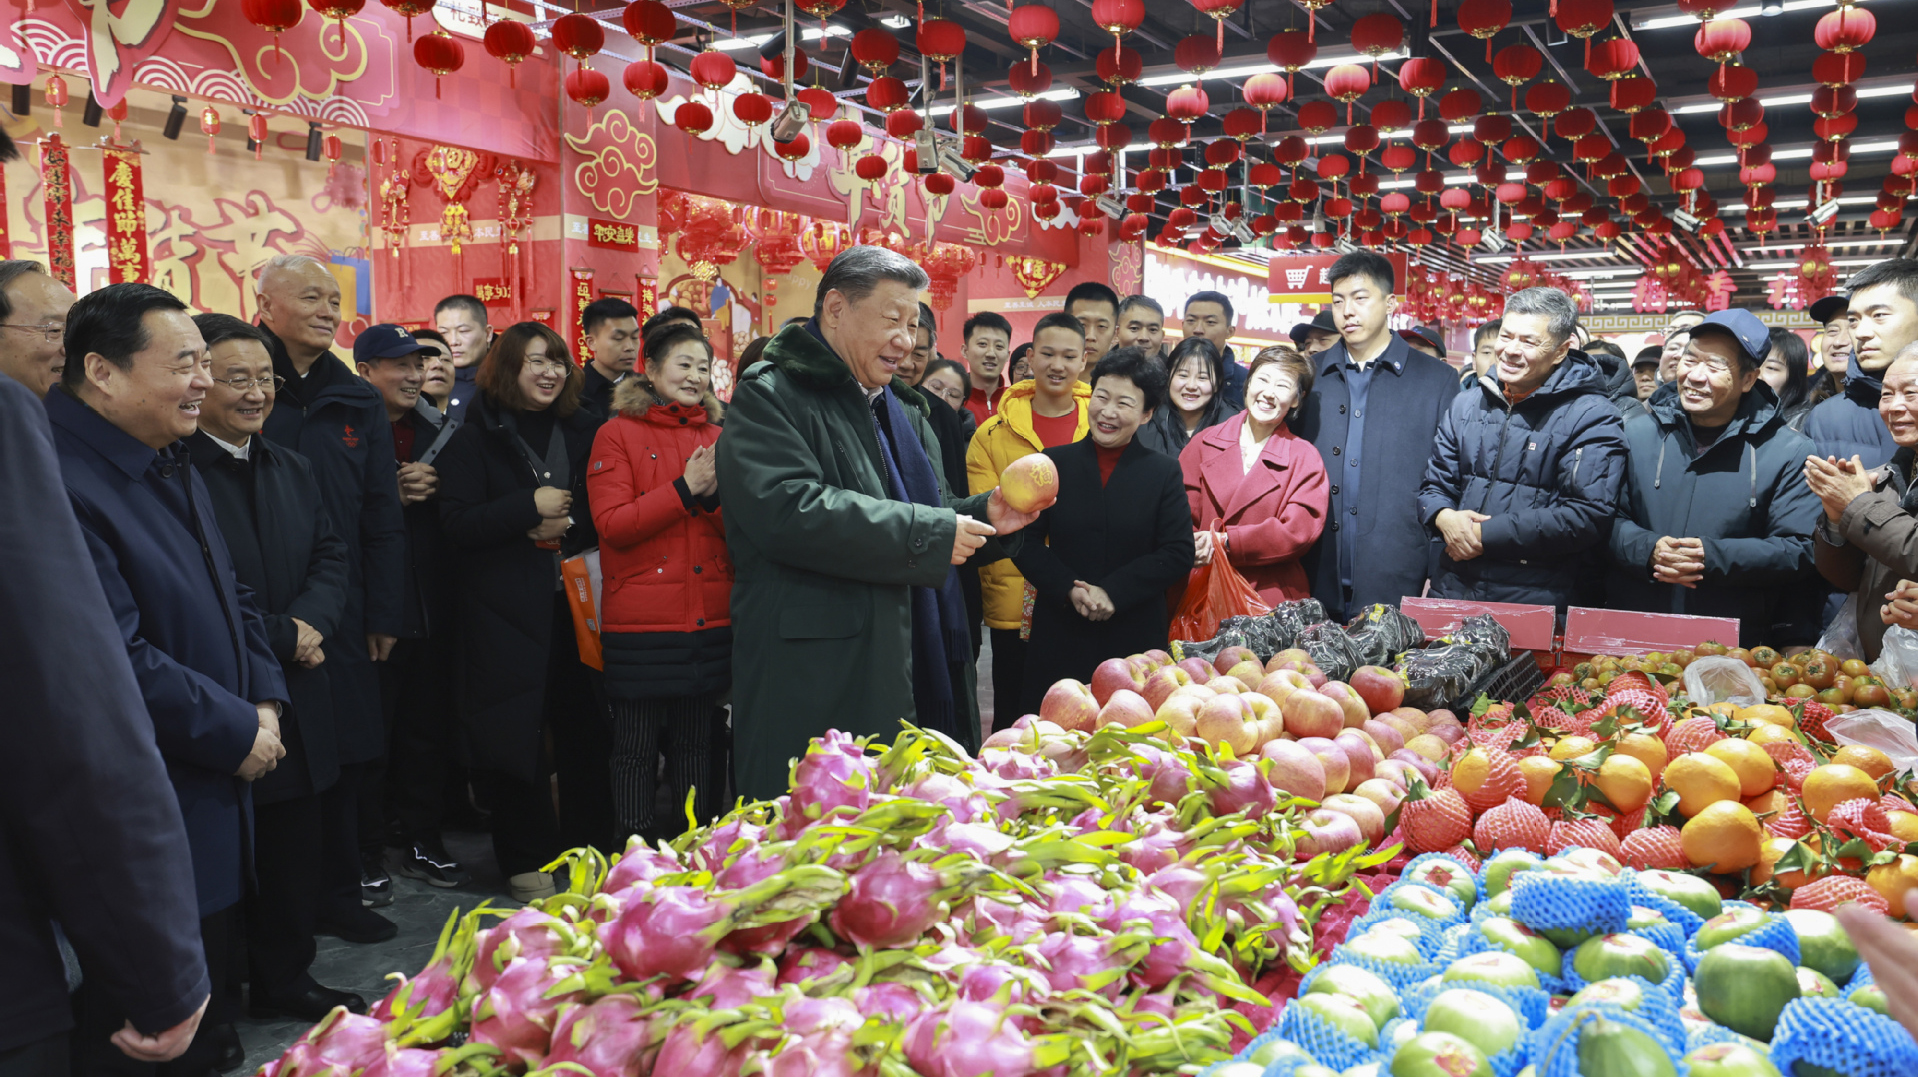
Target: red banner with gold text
[(126, 222), (57, 183), (576, 312)]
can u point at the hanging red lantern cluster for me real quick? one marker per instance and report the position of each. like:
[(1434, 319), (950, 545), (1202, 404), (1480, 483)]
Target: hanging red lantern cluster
[(439, 53), (1033, 26), (511, 42)]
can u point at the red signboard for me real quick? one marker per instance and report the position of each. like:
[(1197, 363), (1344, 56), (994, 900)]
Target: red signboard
[(493, 291), (612, 235), (1621, 632), (1305, 278)]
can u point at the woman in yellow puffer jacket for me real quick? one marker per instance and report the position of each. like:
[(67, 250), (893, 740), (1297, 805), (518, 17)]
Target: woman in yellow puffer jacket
[(1034, 415)]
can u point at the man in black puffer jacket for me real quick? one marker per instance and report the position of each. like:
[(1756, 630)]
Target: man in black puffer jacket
[(1526, 470), (1716, 517)]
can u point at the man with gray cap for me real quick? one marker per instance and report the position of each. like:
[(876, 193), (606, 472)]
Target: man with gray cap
[(1716, 516)]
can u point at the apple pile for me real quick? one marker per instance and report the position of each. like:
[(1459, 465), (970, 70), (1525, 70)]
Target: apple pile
[(1351, 747), (1065, 902), (1464, 971)]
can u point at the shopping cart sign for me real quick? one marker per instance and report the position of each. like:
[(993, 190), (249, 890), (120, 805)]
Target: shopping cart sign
[(1307, 278)]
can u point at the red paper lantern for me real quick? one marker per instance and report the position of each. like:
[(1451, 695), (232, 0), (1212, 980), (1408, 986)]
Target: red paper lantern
[(795, 150), (511, 42), (1838, 68), (1318, 116), (1103, 107), (1185, 104), (1029, 81), (408, 10), (752, 109), (1650, 124), (906, 123), (1633, 92), (1548, 99), (255, 132), (645, 79), (1732, 82), (1836, 100), (579, 36), (648, 21), (1612, 59), (1391, 115), (274, 17), (1290, 51), (972, 116), (872, 168), (1575, 123), (820, 103), (875, 50), (1195, 54), (1741, 115), (1118, 17), (1034, 26), (1483, 19), (1377, 34), (1845, 30), (1264, 91), (713, 69), (1491, 128), (1460, 105), (887, 94), (1834, 128), (845, 134), (1264, 174), (1119, 65), (1348, 83), (1421, 77), (1521, 149), (1219, 11), (1042, 115), (209, 125), (439, 53), (1113, 136), (774, 66), (693, 117), (588, 87), (1721, 40), (1243, 123), (940, 40)]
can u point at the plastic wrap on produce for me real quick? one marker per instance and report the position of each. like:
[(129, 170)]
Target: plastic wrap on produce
[(1438, 674), (1485, 631), (1881, 729), (1331, 649), (1291, 619), (1381, 631), (1716, 679), (1897, 657), (1238, 631)]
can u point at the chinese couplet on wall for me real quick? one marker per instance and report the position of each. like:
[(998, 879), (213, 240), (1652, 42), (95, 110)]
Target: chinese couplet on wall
[(576, 313), (648, 298), (57, 183), (126, 218)]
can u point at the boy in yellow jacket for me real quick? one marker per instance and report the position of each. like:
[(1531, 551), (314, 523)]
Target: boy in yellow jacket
[(1034, 415)]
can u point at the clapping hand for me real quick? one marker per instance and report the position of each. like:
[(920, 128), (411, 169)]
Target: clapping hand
[(1836, 482), (1679, 560), (1092, 602), (702, 475)]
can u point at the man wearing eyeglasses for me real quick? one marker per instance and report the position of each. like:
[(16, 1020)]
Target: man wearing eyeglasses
[(327, 414), (1716, 519), (287, 553), (33, 324)]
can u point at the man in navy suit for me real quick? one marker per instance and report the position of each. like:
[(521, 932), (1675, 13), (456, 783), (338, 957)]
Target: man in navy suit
[(135, 377)]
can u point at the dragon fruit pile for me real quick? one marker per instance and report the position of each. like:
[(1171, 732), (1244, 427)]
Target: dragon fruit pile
[(1072, 903)]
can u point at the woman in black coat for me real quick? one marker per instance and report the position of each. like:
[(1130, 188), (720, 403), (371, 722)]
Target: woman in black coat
[(513, 504), (1102, 557)]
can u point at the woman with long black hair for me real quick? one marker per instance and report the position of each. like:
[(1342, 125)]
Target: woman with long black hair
[(1787, 369), (1194, 400)]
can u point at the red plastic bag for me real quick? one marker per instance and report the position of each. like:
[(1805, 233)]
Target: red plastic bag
[(1214, 592)]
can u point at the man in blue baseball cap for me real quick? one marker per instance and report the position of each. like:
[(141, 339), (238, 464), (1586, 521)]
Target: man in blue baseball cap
[(1716, 518)]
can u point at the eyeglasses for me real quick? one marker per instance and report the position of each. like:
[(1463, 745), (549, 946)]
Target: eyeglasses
[(51, 331), (241, 383), (555, 366)]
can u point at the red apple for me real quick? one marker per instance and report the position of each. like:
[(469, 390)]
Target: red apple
[(1290, 658), (1294, 769), (1069, 705), (1030, 483), (1327, 831), (1427, 769), (1381, 792), (1447, 729), (1126, 708), (1268, 716), (1397, 772), (1358, 753), (1387, 738), (1367, 814), (1413, 715), (1228, 720), (1247, 672), (1338, 766), (1180, 712), (1429, 746), (1114, 674), (1309, 714), (1381, 688), (1158, 658), (1198, 670), (1223, 683), (1232, 656), (1281, 683), (1162, 683), (1348, 701)]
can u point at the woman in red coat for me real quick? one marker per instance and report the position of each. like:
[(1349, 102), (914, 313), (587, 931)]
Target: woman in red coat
[(1258, 483), (666, 590)]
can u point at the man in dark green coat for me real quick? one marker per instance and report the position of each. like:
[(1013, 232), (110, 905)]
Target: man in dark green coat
[(846, 610)]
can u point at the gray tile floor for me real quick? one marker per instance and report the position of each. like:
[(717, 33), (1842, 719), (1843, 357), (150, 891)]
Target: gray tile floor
[(420, 911)]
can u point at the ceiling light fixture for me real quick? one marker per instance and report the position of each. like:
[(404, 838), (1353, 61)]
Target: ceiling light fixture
[(895, 22)]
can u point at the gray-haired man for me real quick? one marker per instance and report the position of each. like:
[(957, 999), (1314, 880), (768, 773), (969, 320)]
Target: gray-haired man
[(1526, 469), (33, 317), (846, 611)]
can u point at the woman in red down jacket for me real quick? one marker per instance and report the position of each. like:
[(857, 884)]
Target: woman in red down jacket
[(1260, 484), (665, 622)]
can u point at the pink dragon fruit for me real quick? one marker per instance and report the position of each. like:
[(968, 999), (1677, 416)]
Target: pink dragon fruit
[(985, 843), (809, 964), (974, 1039), (818, 1043), (417, 1062), (669, 929), (1017, 984), (893, 901), (1180, 883), (612, 1037), (640, 863), (1245, 789), (1079, 895), (1015, 766), (961, 798), (1091, 964), (697, 1046), (1170, 779), (517, 1014), (988, 918), (726, 842), (424, 1008), (342, 1041), (892, 1001), (732, 986), (835, 775), (1155, 848), (527, 933), (1175, 947)]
